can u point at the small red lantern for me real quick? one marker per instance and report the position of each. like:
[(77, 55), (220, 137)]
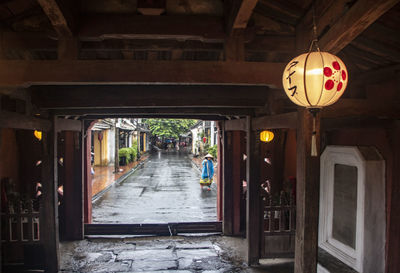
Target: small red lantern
[(204, 139)]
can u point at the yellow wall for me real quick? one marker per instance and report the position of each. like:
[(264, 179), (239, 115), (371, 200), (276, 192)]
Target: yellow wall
[(104, 149)]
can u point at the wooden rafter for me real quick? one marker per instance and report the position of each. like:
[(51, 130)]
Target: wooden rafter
[(362, 14), (58, 16), (238, 14), (14, 73), (344, 24)]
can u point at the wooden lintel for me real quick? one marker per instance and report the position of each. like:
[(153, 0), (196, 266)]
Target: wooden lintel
[(23, 73), (235, 125), (362, 14), (58, 16), (183, 116), (280, 121), (19, 121), (196, 27), (120, 112), (68, 125), (156, 96)]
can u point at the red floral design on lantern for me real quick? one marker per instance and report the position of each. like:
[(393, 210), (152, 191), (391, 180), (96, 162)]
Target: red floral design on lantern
[(329, 84), (327, 71), (344, 76), (339, 87), (336, 65)]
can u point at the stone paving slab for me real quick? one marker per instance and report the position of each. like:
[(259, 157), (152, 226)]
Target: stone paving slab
[(149, 255), (148, 265), (196, 253), (197, 245), (162, 271)]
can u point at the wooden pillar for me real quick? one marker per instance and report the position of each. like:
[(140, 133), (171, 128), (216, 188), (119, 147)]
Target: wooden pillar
[(228, 184), (87, 173), (393, 226), (237, 179), (253, 206), (49, 206), (73, 187), (307, 195), (220, 169)]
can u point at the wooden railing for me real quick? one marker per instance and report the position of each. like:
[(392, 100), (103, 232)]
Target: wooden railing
[(279, 215), (20, 223)]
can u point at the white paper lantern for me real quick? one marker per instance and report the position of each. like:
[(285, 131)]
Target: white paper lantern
[(315, 79)]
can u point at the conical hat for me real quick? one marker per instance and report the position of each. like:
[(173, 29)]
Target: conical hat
[(208, 155)]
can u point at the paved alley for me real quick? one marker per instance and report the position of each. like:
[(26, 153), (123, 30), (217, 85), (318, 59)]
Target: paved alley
[(164, 189)]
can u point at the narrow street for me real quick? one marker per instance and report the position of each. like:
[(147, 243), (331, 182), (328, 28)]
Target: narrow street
[(164, 189)]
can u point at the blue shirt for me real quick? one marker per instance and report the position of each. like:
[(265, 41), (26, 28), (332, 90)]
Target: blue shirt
[(208, 169)]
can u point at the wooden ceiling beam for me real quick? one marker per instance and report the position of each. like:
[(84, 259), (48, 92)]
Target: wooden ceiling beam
[(238, 13), (42, 42), (171, 116), (19, 121), (191, 27), (59, 16), (362, 14), (223, 111), (23, 73), (156, 96)]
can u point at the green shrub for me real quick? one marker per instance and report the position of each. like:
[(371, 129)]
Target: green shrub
[(212, 150), (133, 152), (125, 152)]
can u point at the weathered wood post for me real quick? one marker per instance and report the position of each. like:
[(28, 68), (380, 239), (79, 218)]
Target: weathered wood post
[(253, 206), (49, 206), (228, 184), (307, 195), (73, 188)]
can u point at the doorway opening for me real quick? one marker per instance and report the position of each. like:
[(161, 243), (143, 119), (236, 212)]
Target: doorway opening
[(145, 175)]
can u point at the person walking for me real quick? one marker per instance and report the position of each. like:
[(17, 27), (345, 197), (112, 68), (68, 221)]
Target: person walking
[(207, 172)]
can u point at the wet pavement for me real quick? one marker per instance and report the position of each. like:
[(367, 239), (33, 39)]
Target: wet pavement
[(164, 189), (179, 254)]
